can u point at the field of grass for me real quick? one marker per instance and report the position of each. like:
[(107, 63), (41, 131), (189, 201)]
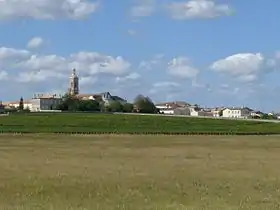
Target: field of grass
[(139, 172), (102, 123)]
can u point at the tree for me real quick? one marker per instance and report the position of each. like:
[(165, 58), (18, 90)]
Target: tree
[(70, 103), (67, 103), (88, 105), (115, 106), (128, 107), (144, 105), (102, 106), (21, 104), (196, 108)]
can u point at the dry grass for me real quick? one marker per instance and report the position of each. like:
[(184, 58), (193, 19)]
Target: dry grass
[(144, 172)]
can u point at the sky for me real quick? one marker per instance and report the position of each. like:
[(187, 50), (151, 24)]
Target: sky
[(206, 52)]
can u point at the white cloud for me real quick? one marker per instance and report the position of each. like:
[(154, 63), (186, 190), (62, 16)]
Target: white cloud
[(38, 76), (245, 67), (47, 9), (166, 84), (13, 54), (3, 75), (143, 8), (35, 42), (131, 76), (165, 90), (155, 62), (87, 81), (35, 63), (131, 32), (95, 63), (182, 68), (37, 68), (197, 9)]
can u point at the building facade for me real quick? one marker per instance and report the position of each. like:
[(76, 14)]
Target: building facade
[(15, 105), (168, 108), (237, 112), (105, 97), (41, 103)]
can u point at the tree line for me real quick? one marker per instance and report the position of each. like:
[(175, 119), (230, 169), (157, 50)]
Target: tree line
[(141, 104)]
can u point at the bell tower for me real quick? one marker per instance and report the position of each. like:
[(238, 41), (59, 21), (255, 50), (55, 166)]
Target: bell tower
[(74, 83)]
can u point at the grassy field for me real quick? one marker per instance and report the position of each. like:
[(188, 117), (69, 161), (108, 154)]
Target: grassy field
[(139, 172), (88, 122)]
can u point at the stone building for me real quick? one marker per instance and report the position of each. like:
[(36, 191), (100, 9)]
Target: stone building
[(74, 84)]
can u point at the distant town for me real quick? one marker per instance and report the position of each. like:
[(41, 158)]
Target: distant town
[(50, 102)]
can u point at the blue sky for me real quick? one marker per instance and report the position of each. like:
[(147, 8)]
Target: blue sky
[(207, 52)]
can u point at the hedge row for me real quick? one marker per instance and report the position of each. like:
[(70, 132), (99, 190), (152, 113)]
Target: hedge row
[(150, 133), (90, 123)]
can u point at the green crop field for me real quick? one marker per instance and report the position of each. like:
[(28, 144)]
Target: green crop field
[(110, 123), (51, 172)]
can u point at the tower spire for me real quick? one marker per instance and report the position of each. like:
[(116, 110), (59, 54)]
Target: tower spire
[(74, 83)]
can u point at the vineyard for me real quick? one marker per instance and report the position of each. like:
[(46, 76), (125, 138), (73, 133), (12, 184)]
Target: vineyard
[(129, 124)]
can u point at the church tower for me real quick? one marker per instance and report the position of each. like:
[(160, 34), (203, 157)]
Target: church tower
[(74, 83)]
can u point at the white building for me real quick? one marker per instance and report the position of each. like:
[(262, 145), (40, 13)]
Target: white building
[(167, 108), (237, 112), (15, 105), (44, 103)]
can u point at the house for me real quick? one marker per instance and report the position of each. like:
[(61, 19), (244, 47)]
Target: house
[(167, 108), (43, 102), (15, 104), (170, 107), (106, 97), (237, 112), (204, 113), (217, 112), (195, 110), (256, 114), (182, 111)]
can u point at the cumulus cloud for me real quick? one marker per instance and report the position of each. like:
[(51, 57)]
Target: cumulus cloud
[(245, 67), (47, 9), (131, 32), (181, 67), (36, 68), (197, 9), (165, 90), (143, 8), (166, 84), (12, 54), (3, 75), (87, 81), (35, 42), (156, 62), (132, 76)]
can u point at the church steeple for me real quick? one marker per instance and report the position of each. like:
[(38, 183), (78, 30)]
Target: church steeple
[(74, 83)]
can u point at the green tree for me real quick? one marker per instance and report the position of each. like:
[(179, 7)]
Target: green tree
[(88, 105), (71, 103), (115, 106), (68, 103), (128, 107), (102, 106), (144, 105), (21, 104)]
